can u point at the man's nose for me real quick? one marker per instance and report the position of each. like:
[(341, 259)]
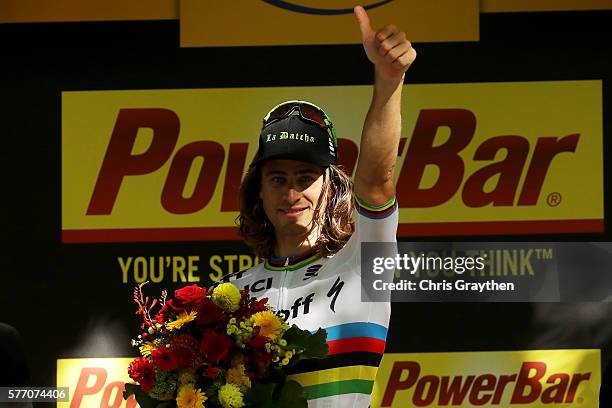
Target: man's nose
[(292, 194)]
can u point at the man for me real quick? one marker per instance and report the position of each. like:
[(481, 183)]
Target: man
[(296, 208)]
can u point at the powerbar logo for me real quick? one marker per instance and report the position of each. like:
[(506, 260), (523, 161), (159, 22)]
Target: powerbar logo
[(532, 383), (95, 382), (424, 152), (167, 165), (119, 162)]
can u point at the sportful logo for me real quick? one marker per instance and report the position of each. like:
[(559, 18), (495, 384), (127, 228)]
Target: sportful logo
[(291, 6), (312, 271)]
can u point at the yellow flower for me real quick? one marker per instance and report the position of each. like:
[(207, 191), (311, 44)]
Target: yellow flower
[(146, 349), (237, 376), (186, 376), (230, 396), (181, 320), (269, 324), (190, 397), (227, 297)]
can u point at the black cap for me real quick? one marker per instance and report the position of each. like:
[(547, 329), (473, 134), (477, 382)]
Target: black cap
[(296, 139)]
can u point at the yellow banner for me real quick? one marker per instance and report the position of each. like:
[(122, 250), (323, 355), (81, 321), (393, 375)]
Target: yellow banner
[(94, 382), (533, 378), (296, 22), (506, 6), (38, 11), (488, 158), (448, 21)]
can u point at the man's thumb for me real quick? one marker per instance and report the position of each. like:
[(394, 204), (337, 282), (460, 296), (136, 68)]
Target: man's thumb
[(364, 22)]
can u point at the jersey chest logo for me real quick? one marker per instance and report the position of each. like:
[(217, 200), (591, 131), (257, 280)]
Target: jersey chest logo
[(312, 271)]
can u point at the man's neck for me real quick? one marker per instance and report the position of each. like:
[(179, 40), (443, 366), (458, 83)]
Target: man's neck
[(295, 245)]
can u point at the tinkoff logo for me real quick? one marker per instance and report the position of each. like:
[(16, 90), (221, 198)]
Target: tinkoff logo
[(300, 8)]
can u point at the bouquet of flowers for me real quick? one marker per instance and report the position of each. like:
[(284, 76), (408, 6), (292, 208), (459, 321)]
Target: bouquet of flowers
[(220, 348)]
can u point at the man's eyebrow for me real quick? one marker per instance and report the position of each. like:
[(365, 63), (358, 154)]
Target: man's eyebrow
[(284, 173), (274, 173), (307, 171)]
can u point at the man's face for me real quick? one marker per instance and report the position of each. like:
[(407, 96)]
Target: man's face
[(290, 191)]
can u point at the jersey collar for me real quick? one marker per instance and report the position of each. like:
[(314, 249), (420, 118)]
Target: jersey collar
[(291, 263)]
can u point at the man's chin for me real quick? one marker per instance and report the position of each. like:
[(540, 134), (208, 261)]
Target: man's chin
[(295, 228)]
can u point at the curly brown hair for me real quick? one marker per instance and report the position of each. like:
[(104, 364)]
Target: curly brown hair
[(335, 220)]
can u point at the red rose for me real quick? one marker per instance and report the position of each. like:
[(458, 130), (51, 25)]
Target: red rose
[(215, 346), (188, 298), (164, 359), (142, 371), (209, 313)]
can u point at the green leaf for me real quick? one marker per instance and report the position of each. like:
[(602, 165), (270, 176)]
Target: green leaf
[(142, 398), (275, 375), (260, 395), (311, 345), (316, 346), (292, 395), (129, 390), (296, 337)]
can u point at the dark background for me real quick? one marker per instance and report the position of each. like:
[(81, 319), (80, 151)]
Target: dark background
[(58, 295)]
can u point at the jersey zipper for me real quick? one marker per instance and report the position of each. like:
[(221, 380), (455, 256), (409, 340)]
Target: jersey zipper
[(282, 285)]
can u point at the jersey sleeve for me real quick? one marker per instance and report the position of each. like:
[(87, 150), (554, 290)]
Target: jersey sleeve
[(376, 223)]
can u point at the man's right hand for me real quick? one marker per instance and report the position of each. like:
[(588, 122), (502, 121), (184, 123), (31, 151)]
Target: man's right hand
[(388, 49)]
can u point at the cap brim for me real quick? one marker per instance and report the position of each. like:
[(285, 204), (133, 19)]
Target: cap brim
[(289, 156)]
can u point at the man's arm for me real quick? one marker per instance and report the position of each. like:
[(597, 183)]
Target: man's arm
[(391, 53)]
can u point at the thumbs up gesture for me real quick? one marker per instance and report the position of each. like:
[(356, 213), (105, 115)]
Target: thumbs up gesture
[(388, 49)]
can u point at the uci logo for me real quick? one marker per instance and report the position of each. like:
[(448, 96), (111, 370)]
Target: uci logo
[(302, 6)]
